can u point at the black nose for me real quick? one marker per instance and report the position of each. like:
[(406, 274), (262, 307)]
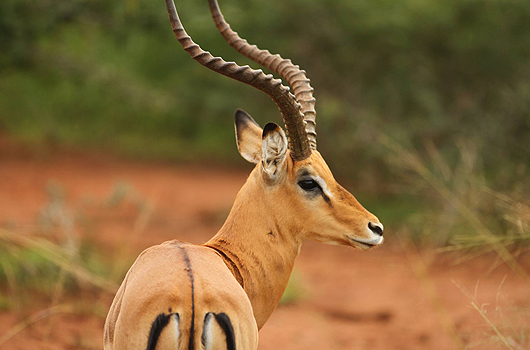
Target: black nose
[(376, 228)]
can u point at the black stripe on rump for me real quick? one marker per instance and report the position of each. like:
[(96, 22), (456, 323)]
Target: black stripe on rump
[(224, 321), (191, 344), (157, 327)]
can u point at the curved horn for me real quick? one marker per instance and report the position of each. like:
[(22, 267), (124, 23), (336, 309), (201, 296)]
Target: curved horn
[(294, 76), (289, 108)]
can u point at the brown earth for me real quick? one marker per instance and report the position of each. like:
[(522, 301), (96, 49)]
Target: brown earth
[(381, 299)]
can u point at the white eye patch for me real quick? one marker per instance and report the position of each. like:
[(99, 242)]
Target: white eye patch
[(320, 181)]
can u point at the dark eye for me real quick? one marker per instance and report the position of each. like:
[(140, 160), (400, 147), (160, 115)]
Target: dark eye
[(308, 185)]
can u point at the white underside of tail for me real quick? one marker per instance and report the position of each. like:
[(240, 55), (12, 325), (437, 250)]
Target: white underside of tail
[(213, 336), (176, 327), (207, 336)]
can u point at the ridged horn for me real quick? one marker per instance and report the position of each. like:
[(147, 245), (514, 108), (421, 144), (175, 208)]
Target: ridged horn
[(294, 76), (286, 102)]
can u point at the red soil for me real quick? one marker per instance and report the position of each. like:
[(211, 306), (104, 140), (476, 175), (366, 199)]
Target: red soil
[(351, 300)]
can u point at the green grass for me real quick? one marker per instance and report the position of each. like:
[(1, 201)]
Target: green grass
[(35, 264), (53, 258)]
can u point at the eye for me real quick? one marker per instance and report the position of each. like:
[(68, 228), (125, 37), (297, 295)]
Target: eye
[(309, 185)]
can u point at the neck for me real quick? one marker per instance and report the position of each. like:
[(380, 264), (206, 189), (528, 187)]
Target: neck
[(258, 250)]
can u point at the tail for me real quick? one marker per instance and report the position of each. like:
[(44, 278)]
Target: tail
[(158, 326), (211, 334)]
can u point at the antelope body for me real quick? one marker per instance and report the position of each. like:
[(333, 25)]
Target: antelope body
[(218, 295)]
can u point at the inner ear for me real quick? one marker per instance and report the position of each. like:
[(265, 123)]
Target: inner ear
[(248, 136), (273, 149)]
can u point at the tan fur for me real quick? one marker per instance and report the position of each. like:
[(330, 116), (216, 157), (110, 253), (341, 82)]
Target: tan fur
[(244, 269)]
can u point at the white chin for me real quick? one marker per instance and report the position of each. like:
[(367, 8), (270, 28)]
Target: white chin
[(366, 244), (362, 246)]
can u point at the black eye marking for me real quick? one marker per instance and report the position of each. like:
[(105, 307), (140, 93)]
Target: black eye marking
[(309, 185), (326, 198)]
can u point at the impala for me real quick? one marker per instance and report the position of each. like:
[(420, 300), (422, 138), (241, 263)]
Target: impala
[(219, 294)]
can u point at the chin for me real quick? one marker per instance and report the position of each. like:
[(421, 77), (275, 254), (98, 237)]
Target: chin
[(364, 245)]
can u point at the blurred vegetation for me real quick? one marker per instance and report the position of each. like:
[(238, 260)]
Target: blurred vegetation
[(53, 257), (448, 81)]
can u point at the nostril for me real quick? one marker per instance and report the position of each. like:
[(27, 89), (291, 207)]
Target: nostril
[(376, 228)]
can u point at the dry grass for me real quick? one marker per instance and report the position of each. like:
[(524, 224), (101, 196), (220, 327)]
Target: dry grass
[(464, 190), (421, 271), (42, 314), (470, 226), (501, 331), (53, 260)]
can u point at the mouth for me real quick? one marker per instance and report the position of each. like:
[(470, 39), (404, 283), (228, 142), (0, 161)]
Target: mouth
[(365, 244)]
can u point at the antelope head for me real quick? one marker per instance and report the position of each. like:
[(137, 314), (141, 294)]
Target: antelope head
[(305, 189), (294, 177)]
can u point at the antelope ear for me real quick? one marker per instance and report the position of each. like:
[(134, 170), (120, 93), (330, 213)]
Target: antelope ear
[(273, 149), (248, 136)]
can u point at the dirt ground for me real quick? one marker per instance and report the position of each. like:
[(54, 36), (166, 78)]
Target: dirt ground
[(388, 298)]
